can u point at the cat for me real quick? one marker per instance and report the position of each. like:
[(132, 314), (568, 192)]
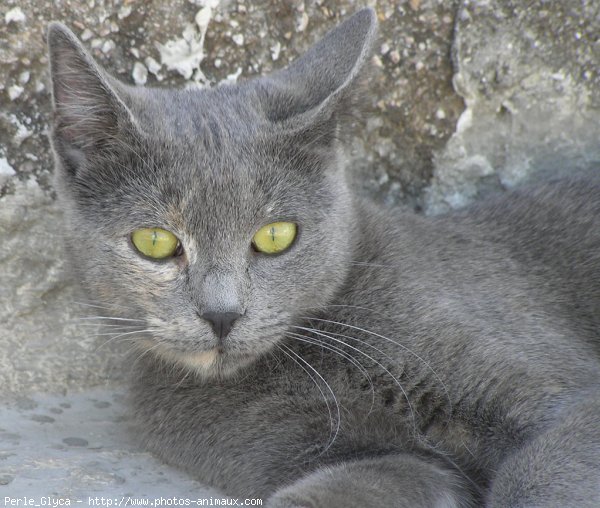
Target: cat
[(298, 343)]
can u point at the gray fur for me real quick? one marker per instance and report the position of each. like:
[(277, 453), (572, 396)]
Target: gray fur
[(386, 359)]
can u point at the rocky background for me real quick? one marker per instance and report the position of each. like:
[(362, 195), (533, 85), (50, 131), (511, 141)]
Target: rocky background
[(467, 98)]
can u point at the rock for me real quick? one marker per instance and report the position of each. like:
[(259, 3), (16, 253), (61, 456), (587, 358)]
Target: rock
[(15, 15), (139, 73), (43, 345), (465, 98), (529, 78)]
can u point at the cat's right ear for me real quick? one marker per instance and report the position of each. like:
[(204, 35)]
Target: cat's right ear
[(89, 112), (323, 84)]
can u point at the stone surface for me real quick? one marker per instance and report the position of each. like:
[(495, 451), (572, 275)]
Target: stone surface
[(44, 344), (529, 75), (79, 445)]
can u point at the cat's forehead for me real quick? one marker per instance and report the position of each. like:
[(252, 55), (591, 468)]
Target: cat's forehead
[(209, 120), (215, 143), (204, 135), (205, 176)]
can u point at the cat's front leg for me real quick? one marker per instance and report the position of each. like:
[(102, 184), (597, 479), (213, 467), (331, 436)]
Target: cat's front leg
[(558, 468), (402, 481)]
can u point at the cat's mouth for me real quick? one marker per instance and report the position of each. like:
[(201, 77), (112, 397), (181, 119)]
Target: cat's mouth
[(193, 360), (202, 353), (202, 359)]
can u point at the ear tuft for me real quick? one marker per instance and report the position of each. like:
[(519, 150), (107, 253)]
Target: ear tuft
[(324, 80)]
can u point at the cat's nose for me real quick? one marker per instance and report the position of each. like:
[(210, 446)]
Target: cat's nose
[(221, 322)]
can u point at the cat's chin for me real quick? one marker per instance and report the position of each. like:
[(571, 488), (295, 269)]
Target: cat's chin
[(209, 364)]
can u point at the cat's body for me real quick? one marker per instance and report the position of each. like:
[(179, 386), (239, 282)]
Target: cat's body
[(511, 365), (384, 359)]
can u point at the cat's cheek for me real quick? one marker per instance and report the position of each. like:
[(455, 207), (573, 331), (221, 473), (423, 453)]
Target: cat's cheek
[(159, 272)]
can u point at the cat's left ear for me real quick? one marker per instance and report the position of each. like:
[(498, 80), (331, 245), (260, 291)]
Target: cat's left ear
[(324, 82), (89, 108)]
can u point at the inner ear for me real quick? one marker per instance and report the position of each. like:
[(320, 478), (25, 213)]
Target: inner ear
[(325, 79)]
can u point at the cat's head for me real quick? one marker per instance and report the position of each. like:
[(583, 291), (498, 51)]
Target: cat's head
[(210, 218)]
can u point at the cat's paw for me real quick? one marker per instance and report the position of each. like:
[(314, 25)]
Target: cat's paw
[(324, 488), (290, 499), (398, 480)]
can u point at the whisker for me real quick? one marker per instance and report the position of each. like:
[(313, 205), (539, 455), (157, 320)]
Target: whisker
[(183, 379), (331, 420), (446, 456), (106, 325), (359, 307), (107, 334), (122, 335), (144, 353), (109, 318), (376, 362), (402, 346), (422, 439), (95, 305), (340, 352)]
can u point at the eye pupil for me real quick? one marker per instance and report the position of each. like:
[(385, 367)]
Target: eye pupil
[(274, 238), (155, 243)]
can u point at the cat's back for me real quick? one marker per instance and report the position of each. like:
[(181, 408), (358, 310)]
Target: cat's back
[(552, 232), (526, 263), (539, 221), (505, 290), (548, 230)]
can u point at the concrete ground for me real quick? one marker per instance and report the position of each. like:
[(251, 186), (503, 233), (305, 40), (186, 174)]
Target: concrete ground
[(79, 446)]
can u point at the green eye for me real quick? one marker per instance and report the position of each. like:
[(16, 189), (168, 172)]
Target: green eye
[(155, 243), (275, 237)]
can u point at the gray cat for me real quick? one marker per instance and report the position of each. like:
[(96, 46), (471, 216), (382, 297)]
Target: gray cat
[(297, 343)]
